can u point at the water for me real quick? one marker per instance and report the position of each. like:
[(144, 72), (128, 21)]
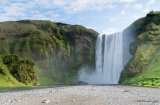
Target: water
[(109, 61)]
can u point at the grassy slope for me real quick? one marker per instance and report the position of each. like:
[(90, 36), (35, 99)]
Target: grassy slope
[(7, 80), (148, 77), (144, 67), (49, 44)]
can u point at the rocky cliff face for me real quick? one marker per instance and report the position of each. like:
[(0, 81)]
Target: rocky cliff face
[(143, 69), (58, 49)]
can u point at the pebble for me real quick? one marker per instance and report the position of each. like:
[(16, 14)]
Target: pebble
[(126, 91), (51, 91), (73, 100), (46, 101), (57, 102)]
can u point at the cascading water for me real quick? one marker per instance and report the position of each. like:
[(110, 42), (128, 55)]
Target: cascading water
[(109, 61)]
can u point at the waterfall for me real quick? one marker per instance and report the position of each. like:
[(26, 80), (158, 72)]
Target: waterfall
[(99, 54), (109, 61)]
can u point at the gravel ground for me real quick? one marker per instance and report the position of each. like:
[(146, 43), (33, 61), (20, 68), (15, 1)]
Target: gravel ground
[(84, 95)]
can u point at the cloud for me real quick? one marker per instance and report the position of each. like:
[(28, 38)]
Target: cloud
[(3, 2), (150, 2), (24, 9), (138, 6), (98, 5), (86, 5), (128, 1), (60, 3), (146, 10), (113, 19), (109, 31), (69, 6), (123, 12), (19, 9)]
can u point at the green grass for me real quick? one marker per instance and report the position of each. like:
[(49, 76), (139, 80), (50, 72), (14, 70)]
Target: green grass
[(43, 81), (149, 77), (154, 12), (8, 80)]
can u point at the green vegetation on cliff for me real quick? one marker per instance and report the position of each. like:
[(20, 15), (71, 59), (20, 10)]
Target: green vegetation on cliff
[(58, 49), (15, 71), (143, 69)]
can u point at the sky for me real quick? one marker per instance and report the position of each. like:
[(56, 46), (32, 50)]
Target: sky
[(104, 16)]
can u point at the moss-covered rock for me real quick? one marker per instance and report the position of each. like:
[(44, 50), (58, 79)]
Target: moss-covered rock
[(144, 50), (22, 69), (6, 78)]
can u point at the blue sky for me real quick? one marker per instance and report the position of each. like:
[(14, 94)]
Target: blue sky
[(105, 16)]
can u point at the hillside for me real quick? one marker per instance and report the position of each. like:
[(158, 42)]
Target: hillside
[(144, 67), (58, 49), (15, 71)]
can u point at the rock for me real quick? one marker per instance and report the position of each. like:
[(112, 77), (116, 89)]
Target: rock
[(57, 102), (73, 100), (143, 101), (46, 101), (82, 83), (155, 101), (126, 91), (51, 91)]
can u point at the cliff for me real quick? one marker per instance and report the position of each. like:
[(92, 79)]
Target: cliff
[(58, 49), (143, 69)]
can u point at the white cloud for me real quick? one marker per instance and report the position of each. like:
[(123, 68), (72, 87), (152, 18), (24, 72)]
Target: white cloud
[(3, 2), (60, 3), (20, 8), (15, 9), (138, 6), (146, 10), (109, 31), (123, 12), (150, 2), (86, 5), (11, 11), (83, 5), (26, 10), (128, 1)]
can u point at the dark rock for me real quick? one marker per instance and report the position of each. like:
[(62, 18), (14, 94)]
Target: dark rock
[(46, 101), (126, 91), (82, 83)]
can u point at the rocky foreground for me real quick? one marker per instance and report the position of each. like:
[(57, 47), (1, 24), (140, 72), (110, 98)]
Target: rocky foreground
[(84, 95)]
